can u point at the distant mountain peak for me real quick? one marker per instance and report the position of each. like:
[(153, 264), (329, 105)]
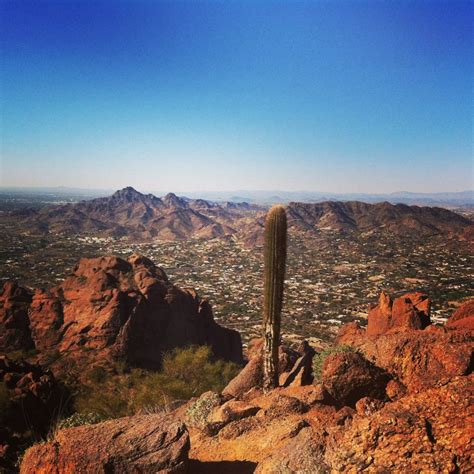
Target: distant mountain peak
[(128, 191)]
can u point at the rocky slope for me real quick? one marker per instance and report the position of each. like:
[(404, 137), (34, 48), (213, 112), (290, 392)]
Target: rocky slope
[(129, 213), (386, 401), (110, 309)]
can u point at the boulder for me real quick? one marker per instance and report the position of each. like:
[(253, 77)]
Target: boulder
[(348, 377), (301, 372), (418, 359), (304, 453), (410, 311), (232, 410), (249, 377), (146, 444)]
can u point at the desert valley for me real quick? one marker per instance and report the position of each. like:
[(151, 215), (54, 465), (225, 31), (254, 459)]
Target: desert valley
[(98, 296)]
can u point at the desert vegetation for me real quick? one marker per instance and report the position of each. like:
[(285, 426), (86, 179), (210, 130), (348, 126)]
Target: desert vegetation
[(186, 373)]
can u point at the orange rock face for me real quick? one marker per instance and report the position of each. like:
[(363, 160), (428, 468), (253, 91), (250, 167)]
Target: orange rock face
[(352, 421), (418, 359)]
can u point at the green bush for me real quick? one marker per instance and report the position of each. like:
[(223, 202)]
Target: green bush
[(185, 373), (318, 359)]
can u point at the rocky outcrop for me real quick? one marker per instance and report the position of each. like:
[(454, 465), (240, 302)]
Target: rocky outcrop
[(294, 367), (430, 431), (417, 358), (114, 308), (30, 400), (146, 444), (400, 402), (411, 311)]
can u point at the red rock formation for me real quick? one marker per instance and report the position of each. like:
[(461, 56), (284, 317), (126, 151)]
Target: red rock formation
[(417, 358), (110, 307), (294, 366), (410, 311), (421, 421)]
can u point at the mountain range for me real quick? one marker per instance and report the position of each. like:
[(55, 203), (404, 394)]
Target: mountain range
[(459, 199), (129, 213)]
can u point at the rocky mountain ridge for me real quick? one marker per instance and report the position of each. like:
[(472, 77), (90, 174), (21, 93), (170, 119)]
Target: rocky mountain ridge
[(129, 213)]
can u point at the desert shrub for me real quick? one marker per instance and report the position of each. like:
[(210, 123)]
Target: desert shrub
[(78, 419), (318, 359), (197, 414), (186, 373)]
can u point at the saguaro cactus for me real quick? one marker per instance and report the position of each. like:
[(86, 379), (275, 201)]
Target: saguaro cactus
[(274, 269)]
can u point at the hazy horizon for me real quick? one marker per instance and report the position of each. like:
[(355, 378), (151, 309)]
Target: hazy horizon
[(340, 97)]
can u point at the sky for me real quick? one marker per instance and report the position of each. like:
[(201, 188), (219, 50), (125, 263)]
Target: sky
[(334, 96)]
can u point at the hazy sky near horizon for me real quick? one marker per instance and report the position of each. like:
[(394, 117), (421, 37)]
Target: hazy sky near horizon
[(340, 96)]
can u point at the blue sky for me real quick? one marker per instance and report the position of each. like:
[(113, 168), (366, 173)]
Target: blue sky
[(340, 96)]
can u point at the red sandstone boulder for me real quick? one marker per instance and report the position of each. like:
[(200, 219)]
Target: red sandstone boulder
[(348, 377), (231, 411), (146, 444), (417, 359), (410, 311)]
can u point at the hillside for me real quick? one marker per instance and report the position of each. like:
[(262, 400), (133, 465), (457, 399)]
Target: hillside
[(399, 219), (136, 216), (140, 216)]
